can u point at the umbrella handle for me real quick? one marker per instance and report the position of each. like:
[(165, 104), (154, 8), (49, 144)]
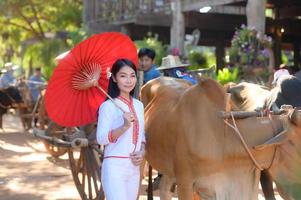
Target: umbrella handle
[(102, 90)]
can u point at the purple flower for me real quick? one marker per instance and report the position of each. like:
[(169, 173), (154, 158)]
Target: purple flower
[(265, 52)]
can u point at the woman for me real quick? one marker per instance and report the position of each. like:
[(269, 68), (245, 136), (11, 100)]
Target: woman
[(122, 134)]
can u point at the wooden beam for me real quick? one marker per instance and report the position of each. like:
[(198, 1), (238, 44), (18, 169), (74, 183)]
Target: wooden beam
[(158, 19), (289, 12), (232, 10), (210, 21), (197, 4)]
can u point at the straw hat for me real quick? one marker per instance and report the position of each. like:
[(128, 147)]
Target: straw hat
[(170, 62), (282, 66), (9, 66)]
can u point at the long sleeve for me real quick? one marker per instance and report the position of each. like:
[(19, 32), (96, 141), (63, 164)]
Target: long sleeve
[(104, 124)]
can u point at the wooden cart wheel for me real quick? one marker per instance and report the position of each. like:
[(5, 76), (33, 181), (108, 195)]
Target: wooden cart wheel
[(54, 130), (85, 164), (51, 129), (85, 167)]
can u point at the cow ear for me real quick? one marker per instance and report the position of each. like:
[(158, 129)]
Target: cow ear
[(295, 117), (276, 140)]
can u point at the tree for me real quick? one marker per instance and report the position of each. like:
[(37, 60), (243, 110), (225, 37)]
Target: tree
[(38, 23)]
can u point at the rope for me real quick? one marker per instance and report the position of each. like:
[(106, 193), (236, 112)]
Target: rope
[(274, 133), (243, 141)]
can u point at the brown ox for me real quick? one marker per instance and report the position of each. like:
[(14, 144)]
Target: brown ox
[(188, 141)]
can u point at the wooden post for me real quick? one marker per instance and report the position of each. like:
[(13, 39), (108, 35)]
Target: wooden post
[(256, 14), (88, 12), (277, 47), (140, 77), (297, 53), (177, 30), (220, 54), (228, 102)]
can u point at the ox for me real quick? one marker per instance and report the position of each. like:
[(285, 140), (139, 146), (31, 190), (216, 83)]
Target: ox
[(9, 98), (248, 97), (186, 140)]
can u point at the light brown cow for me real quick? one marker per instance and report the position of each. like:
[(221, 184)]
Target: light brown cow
[(188, 141)]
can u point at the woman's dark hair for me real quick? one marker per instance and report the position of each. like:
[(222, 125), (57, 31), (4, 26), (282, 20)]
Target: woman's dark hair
[(147, 52), (114, 91)]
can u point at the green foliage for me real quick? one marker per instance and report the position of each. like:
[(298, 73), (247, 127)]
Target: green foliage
[(201, 57), (27, 24), (77, 36), (42, 54), (152, 42), (197, 59), (226, 75)]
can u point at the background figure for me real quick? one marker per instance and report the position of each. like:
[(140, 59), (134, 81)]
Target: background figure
[(35, 81), (146, 62), (173, 67), (34, 84), (122, 133), (7, 78), (280, 72)]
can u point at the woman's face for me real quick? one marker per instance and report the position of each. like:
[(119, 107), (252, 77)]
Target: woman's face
[(126, 79)]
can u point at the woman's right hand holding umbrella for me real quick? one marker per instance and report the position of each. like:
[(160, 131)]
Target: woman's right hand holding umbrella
[(128, 117)]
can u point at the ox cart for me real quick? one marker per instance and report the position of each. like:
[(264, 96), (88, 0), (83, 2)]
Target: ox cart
[(83, 152), (78, 142)]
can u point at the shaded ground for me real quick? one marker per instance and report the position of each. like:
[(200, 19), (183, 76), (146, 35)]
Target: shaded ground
[(27, 171)]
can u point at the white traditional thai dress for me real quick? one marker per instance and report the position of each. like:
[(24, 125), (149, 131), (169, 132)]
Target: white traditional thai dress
[(120, 177)]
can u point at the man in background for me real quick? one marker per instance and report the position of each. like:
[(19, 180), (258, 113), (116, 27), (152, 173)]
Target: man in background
[(34, 83), (280, 72), (173, 67), (7, 78), (146, 62)]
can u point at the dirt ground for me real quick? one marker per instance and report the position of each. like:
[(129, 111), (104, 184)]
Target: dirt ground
[(28, 172)]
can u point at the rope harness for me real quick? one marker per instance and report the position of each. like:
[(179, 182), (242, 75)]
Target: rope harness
[(234, 127), (236, 130)]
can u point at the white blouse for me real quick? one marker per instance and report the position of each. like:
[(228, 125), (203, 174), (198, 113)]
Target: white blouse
[(110, 117)]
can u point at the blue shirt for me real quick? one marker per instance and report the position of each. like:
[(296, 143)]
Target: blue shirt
[(7, 80), (189, 79), (181, 73), (151, 74), (34, 86)]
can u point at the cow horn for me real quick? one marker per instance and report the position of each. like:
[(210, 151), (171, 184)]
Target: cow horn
[(276, 140), (295, 117)]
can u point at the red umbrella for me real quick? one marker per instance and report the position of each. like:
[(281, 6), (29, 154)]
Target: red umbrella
[(71, 99)]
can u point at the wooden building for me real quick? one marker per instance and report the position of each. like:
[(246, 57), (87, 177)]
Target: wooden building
[(172, 19)]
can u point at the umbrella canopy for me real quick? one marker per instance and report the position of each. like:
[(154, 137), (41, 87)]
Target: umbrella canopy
[(66, 104)]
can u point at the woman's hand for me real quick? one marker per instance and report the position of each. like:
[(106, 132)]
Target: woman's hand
[(128, 117), (137, 157)]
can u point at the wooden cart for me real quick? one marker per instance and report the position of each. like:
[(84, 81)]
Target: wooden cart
[(80, 143), (84, 155)]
